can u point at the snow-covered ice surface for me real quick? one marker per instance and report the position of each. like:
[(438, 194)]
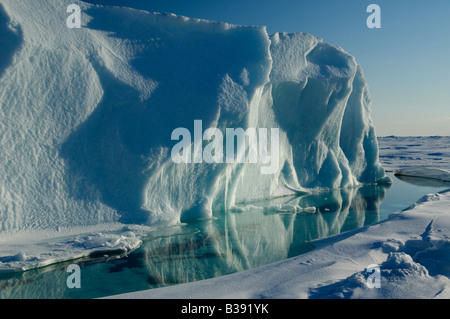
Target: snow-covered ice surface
[(19, 252), (87, 115), (397, 152), (417, 156)]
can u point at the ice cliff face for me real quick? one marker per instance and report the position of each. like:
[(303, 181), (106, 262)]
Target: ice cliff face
[(87, 115)]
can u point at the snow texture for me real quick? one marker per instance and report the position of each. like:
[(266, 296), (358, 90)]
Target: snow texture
[(87, 116)]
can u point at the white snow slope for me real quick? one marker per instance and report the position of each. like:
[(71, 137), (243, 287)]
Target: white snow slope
[(87, 117)]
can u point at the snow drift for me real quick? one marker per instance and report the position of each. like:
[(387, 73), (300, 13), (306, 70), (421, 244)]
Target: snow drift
[(87, 115)]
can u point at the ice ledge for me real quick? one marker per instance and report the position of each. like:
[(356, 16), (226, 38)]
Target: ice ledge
[(26, 256)]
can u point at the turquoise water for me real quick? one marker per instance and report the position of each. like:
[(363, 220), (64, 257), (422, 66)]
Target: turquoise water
[(229, 243)]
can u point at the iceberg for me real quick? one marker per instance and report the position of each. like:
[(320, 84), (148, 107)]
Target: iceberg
[(88, 113)]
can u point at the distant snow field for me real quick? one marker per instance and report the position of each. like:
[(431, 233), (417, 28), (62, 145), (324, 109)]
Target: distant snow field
[(397, 152)]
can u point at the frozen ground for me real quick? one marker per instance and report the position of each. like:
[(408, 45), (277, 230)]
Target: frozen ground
[(412, 249)]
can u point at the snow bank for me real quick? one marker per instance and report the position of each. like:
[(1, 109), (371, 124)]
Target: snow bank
[(87, 115), (411, 249)]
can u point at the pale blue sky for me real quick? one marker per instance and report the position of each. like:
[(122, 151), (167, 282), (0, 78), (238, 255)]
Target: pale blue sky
[(406, 62)]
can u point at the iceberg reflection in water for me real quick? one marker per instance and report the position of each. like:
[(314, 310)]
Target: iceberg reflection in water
[(249, 236), (262, 233)]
